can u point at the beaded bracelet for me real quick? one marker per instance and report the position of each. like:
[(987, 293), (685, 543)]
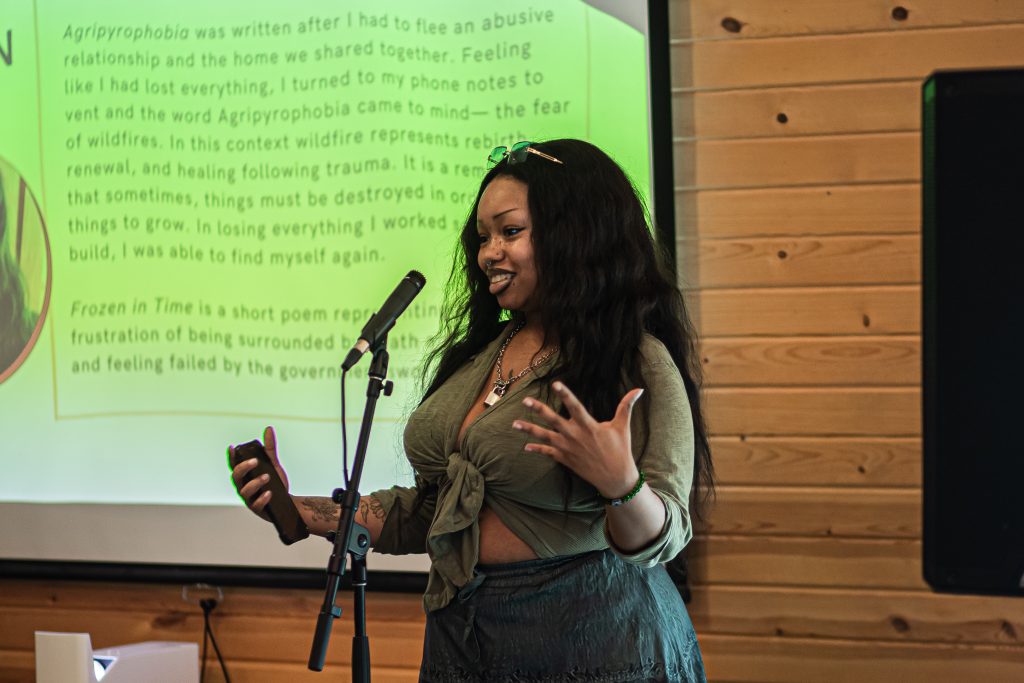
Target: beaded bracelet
[(629, 496)]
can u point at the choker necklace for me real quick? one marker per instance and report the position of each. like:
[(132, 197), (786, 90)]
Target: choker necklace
[(501, 385)]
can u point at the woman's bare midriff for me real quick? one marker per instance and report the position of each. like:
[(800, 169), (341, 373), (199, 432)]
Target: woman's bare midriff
[(498, 544)]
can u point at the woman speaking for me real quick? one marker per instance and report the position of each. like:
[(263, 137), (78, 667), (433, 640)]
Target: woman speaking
[(559, 450)]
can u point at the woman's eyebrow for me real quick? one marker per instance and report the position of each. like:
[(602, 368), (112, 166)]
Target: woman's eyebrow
[(500, 213)]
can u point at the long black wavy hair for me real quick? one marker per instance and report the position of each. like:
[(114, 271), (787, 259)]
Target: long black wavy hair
[(603, 283)]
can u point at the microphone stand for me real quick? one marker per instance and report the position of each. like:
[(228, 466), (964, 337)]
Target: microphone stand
[(352, 537)]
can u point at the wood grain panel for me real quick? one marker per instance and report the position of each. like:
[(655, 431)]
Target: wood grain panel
[(824, 512), (19, 667), (866, 209), (808, 261), (814, 110), (729, 64), (825, 311), (854, 411), (275, 638), (821, 562), (758, 19), (806, 660), (831, 361), (797, 140), (782, 162), (276, 624), (814, 461), (857, 614), (238, 601)]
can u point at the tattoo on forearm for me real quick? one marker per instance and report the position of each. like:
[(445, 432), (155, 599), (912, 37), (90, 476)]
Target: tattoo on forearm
[(377, 509), (371, 506), (323, 509), (364, 508)]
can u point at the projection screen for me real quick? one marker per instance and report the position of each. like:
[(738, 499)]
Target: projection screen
[(203, 203)]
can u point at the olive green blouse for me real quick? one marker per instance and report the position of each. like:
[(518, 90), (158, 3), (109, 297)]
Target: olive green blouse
[(527, 490)]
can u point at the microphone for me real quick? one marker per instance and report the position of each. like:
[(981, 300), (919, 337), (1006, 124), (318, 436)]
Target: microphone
[(381, 322)]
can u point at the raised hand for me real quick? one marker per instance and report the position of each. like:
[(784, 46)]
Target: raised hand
[(598, 452), (252, 492)]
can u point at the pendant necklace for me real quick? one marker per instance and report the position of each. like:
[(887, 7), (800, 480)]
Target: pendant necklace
[(501, 385)]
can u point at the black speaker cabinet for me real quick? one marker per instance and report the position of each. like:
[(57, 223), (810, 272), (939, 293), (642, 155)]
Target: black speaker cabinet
[(973, 331)]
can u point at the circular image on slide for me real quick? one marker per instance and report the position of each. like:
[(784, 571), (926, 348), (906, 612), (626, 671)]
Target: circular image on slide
[(25, 270)]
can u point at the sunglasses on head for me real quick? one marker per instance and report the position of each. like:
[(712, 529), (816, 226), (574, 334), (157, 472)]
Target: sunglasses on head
[(516, 154)]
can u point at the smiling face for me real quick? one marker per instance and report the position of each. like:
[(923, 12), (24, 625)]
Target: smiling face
[(506, 244)]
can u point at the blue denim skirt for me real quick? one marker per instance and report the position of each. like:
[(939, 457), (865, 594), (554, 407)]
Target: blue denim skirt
[(589, 617)]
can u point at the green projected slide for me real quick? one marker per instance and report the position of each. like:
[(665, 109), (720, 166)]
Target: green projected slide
[(205, 201)]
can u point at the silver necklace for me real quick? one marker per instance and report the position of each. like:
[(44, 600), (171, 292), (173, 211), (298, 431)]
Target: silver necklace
[(501, 385)]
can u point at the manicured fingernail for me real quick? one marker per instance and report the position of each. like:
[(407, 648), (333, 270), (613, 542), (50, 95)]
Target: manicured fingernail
[(529, 447), (558, 386), (250, 461), (517, 425), (528, 402), (265, 477)]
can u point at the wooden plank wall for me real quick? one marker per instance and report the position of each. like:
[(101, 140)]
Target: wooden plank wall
[(796, 128), (264, 634)]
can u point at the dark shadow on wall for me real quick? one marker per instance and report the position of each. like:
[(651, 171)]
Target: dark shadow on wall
[(17, 321)]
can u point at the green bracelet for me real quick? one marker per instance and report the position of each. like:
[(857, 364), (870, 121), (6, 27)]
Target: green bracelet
[(629, 496)]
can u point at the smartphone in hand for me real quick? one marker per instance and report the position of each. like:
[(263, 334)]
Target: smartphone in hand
[(281, 510)]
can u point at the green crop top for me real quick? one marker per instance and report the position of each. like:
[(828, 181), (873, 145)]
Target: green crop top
[(526, 490)]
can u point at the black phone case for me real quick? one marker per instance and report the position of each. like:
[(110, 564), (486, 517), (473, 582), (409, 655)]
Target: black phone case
[(281, 510)]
